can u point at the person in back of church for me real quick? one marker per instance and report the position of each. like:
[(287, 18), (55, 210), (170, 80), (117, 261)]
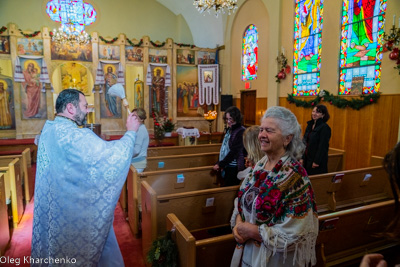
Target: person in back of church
[(253, 148), (232, 152), (139, 160), (275, 220), (78, 182), (316, 138), (391, 163)]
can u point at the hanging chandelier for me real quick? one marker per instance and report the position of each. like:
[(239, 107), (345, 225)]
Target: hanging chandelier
[(69, 35), (219, 6)]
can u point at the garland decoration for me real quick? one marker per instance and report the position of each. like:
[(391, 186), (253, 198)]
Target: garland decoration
[(185, 45), (27, 35), (337, 101), (135, 45), (3, 29), (157, 45), (108, 42), (163, 252)]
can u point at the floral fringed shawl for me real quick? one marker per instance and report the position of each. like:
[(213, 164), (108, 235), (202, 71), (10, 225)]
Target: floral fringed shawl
[(281, 202)]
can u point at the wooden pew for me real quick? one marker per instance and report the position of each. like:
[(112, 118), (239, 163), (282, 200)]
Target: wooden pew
[(210, 252), (343, 236), (349, 234), (352, 190), (165, 182), (13, 187), (4, 227), (376, 161), (189, 206), (27, 172), (179, 150), (336, 160), (10, 145), (181, 161)]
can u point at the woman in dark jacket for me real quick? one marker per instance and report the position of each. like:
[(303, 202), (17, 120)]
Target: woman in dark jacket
[(232, 153), (316, 138)]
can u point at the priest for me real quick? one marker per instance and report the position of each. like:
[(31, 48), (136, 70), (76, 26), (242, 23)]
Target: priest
[(79, 178)]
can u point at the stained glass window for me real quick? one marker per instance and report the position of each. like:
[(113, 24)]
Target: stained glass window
[(75, 13), (307, 47), (250, 53), (361, 46)]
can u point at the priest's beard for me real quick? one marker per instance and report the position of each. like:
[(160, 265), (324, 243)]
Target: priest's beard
[(80, 117)]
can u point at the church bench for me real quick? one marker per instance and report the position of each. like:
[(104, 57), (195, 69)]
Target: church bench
[(211, 251), (179, 150), (26, 170), (376, 161), (349, 234), (352, 190), (164, 182), (191, 207), (343, 236), (4, 227), (10, 145), (336, 159), (181, 161), (13, 187)]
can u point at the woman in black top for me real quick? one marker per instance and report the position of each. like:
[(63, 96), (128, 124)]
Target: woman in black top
[(232, 153), (316, 138)]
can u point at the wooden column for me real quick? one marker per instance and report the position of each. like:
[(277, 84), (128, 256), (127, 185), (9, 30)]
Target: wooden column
[(49, 101)]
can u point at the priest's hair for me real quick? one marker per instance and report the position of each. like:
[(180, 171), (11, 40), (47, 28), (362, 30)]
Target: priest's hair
[(65, 97)]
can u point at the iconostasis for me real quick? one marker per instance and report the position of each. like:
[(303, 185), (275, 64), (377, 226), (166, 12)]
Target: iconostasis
[(179, 81)]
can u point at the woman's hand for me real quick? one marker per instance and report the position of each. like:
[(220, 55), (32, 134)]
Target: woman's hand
[(216, 167), (314, 165), (301, 162), (244, 231), (373, 260)]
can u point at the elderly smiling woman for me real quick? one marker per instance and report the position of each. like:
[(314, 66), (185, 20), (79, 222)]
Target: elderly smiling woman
[(275, 219)]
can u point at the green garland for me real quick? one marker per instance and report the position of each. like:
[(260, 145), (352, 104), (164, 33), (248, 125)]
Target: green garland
[(135, 45), (157, 45), (3, 29), (163, 252), (185, 45), (108, 42), (337, 101), (34, 34)]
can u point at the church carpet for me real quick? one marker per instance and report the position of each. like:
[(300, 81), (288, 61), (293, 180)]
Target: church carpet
[(20, 245)]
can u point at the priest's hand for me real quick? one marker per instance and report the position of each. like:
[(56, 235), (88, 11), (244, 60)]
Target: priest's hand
[(132, 122)]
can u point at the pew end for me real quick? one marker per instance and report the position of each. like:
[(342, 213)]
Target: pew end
[(13, 187), (4, 227), (213, 251)]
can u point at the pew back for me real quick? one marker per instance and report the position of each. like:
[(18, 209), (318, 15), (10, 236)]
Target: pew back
[(26, 171), (180, 150), (347, 234), (353, 189), (4, 228), (190, 206), (13, 185), (181, 161), (165, 182)]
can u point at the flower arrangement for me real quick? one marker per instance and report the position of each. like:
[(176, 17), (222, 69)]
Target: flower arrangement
[(167, 124)]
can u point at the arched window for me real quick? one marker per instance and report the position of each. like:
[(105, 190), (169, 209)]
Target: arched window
[(361, 46), (71, 13), (307, 47), (250, 53)]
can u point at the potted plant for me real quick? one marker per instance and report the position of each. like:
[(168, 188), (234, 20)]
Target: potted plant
[(168, 126)]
